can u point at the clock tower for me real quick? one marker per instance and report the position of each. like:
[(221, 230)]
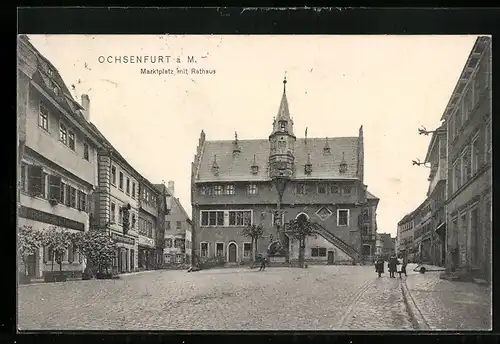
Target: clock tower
[(282, 139)]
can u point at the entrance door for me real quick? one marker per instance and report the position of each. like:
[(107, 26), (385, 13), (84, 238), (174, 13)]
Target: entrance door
[(331, 257), (232, 253), (31, 265)]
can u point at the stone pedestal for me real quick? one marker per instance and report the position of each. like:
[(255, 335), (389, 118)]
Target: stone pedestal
[(277, 259)]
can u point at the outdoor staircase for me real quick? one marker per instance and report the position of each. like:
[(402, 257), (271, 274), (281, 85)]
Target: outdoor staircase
[(345, 247)]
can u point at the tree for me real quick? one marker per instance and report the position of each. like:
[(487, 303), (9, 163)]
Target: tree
[(97, 247), (29, 241), (58, 242), (126, 218), (254, 232), (300, 229)]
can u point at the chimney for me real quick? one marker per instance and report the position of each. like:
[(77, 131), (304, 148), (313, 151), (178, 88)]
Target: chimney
[(171, 187), (86, 106)]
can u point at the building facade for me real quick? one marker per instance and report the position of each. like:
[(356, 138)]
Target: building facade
[(57, 156), (468, 197), (271, 181), (148, 225), (436, 156), (177, 232), (368, 225), (117, 202), (385, 245), (405, 247)]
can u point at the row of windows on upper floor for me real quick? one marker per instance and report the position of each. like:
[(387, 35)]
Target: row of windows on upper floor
[(242, 218), (177, 243), (131, 189), (472, 157), (37, 182), (68, 138), (66, 134), (252, 189), (473, 91), (145, 226)]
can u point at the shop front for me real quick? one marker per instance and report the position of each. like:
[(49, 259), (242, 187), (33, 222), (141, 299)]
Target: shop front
[(147, 253), (124, 259)]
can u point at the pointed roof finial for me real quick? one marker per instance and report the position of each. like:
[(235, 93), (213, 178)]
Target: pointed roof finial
[(236, 137), (284, 83)]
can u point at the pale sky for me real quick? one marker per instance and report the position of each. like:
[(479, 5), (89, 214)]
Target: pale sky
[(391, 85)]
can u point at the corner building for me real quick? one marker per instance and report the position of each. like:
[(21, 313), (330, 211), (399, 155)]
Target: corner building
[(57, 158), (274, 180), (469, 174)]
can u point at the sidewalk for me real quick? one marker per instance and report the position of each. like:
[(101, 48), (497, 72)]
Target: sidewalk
[(448, 305)]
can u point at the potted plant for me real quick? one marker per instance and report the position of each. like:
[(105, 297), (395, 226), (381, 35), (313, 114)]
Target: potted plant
[(53, 202)]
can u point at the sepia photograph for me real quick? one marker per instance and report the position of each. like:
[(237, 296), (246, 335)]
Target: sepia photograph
[(254, 182)]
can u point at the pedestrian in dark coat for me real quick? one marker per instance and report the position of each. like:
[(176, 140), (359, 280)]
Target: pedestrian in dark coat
[(263, 262), (393, 262), (379, 267)]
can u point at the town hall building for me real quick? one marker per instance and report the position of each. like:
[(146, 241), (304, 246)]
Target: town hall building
[(274, 180)]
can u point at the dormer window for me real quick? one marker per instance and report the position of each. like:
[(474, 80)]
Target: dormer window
[(308, 165), (343, 165), (215, 166), (254, 168)]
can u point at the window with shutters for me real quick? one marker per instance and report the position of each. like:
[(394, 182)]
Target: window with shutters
[(54, 187), (43, 117), (23, 177), (120, 216), (120, 181), (466, 165), (73, 198), (127, 187), (113, 175), (86, 151), (36, 185), (68, 196), (62, 199), (71, 140), (63, 133), (133, 190), (81, 201)]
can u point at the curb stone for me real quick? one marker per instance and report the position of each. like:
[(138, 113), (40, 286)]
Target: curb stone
[(417, 319)]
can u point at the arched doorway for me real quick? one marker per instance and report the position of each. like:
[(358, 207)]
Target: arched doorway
[(231, 253)]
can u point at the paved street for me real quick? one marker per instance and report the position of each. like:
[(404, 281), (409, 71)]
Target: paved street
[(317, 298), (447, 305)]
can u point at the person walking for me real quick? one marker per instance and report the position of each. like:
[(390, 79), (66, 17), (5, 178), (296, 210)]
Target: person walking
[(393, 262), (403, 268), (379, 267), (263, 262)]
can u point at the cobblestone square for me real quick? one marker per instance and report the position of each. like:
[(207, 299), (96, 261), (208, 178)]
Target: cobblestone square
[(318, 298)]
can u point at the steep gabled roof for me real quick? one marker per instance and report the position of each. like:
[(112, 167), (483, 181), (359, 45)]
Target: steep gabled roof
[(238, 167)]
